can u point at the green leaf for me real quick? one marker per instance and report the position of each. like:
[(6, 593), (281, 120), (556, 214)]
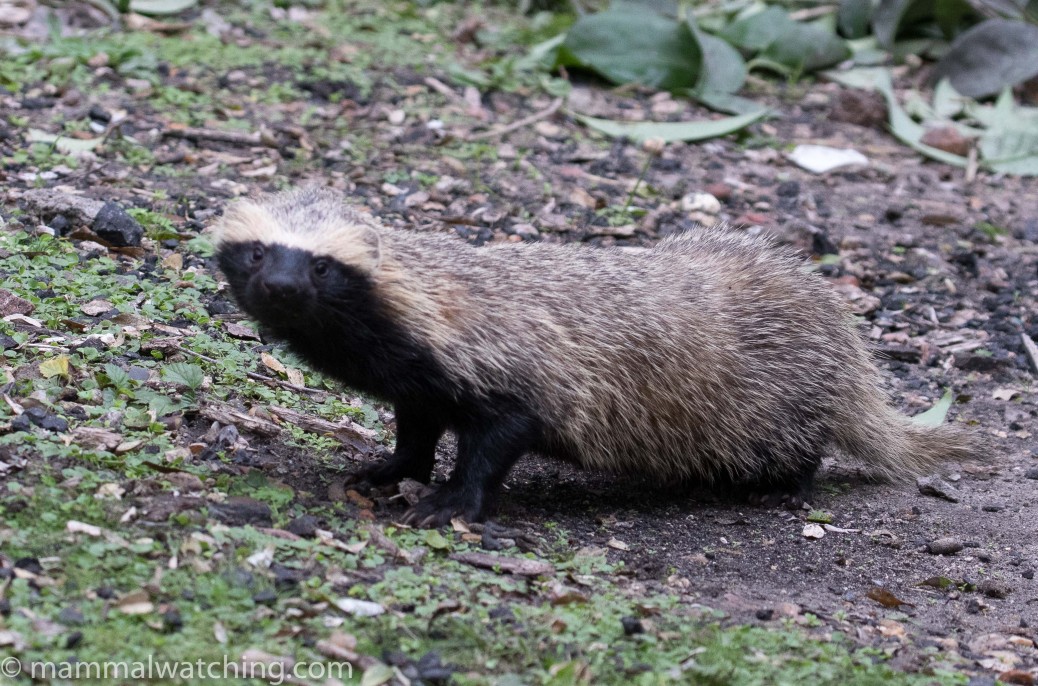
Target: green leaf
[(952, 15), (377, 675), (184, 374), (897, 18), (435, 540), (117, 375), (1010, 144), (672, 131), (543, 56), (69, 146), (805, 47), (854, 18), (723, 69), (159, 7), (993, 55), (626, 45), (934, 417), (757, 31)]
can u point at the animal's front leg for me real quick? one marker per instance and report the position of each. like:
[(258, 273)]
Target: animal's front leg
[(418, 432), (487, 449)]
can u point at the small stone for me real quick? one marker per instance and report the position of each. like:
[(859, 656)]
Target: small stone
[(265, 597), (993, 508), (948, 139), (117, 227), (171, 620), (240, 511), (765, 614), (632, 626), (13, 304), (994, 589), (937, 487), (1032, 473), (944, 546), (864, 108), (98, 113), (304, 526), (701, 202), (71, 616), (1028, 574)]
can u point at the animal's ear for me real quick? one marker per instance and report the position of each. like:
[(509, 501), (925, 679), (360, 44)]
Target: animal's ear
[(373, 240)]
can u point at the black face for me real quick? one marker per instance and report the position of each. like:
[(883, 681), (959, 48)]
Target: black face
[(288, 289), (328, 313)]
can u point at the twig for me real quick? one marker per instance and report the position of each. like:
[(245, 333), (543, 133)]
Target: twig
[(525, 121), (258, 377), (443, 89), (1032, 351), (231, 137)]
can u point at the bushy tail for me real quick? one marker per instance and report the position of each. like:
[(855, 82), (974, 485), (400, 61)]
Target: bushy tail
[(897, 449)]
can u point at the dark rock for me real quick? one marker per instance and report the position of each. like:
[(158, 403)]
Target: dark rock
[(98, 113), (73, 640), (287, 576), (863, 108), (7, 343), (994, 589), (117, 227), (171, 620), (139, 373), (944, 546), (105, 592), (265, 597), (765, 614), (304, 526), (993, 508), (41, 103), (61, 225), (29, 564), (241, 511), (13, 304), (1028, 574), (71, 616), (937, 487), (1031, 473), (632, 626), (788, 189), (821, 244)]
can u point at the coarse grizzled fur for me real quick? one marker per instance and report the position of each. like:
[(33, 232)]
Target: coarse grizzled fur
[(712, 357)]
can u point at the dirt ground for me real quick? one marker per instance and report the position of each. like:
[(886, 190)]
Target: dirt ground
[(942, 270)]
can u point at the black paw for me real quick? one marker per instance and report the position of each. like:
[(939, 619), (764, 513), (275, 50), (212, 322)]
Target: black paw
[(791, 501), (386, 472), (439, 508)]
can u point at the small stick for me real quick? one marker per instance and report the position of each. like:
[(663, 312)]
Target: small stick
[(443, 89), (525, 121), (232, 137), (259, 377), (1032, 351)]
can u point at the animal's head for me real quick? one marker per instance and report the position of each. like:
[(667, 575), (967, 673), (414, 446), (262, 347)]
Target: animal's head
[(297, 258)]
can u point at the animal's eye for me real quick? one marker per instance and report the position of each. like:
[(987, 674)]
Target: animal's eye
[(257, 254), (321, 268)]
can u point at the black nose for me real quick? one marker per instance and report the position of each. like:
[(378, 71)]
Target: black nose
[(282, 287)]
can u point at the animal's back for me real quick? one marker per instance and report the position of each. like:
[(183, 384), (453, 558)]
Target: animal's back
[(709, 355)]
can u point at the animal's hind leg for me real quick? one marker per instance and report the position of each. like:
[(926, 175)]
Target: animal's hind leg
[(791, 488)]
